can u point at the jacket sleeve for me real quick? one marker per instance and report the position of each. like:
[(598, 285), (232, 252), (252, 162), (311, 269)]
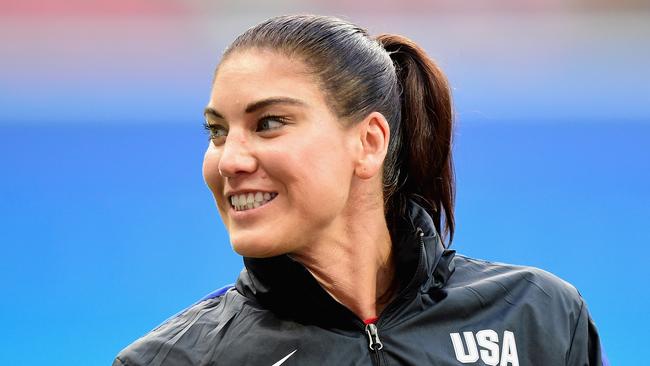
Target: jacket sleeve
[(585, 349)]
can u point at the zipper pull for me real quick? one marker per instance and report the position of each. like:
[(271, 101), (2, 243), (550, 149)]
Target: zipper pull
[(419, 232), (373, 336)]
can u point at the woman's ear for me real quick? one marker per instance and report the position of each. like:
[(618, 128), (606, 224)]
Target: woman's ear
[(374, 134)]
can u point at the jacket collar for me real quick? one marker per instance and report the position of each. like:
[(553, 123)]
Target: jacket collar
[(285, 287)]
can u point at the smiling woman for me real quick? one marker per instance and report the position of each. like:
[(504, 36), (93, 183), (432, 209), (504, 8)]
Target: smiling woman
[(330, 163), (274, 135)]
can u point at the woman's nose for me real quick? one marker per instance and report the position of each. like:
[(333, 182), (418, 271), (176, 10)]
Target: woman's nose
[(236, 158)]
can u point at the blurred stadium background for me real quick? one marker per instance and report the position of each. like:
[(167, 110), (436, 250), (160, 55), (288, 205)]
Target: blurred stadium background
[(106, 227)]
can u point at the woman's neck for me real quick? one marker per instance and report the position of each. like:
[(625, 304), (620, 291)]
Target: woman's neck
[(353, 262)]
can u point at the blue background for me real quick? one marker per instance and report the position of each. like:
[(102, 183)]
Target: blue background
[(107, 228)]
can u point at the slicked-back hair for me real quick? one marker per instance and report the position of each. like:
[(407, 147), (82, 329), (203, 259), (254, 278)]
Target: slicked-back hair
[(389, 74)]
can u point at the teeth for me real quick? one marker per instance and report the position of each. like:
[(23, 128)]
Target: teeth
[(243, 202)]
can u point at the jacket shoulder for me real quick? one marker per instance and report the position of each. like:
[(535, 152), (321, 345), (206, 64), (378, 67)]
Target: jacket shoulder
[(185, 338), (514, 284), (551, 308)]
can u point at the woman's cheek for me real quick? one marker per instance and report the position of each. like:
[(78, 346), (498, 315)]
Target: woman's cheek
[(211, 170)]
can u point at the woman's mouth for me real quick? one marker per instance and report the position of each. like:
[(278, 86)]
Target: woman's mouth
[(247, 201)]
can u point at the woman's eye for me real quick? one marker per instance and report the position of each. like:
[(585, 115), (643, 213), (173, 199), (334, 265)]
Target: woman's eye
[(219, 131), (270, 123), (215, 131)]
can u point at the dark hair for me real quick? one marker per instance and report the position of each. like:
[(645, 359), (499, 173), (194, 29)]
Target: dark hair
[(389, 74)]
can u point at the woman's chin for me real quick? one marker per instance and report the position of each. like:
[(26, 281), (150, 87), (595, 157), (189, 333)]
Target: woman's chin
[(256, 248)]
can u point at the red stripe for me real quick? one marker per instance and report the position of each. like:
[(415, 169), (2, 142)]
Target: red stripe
[(370, 320)]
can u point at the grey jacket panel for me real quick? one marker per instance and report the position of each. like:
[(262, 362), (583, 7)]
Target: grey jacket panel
[(585, 346), (451, 310)]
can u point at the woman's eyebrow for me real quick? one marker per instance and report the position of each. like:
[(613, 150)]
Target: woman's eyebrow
[(209, 111), (255, 106), (260, 104)]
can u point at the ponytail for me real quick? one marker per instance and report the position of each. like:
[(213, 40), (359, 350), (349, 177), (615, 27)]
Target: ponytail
[(424, 163)]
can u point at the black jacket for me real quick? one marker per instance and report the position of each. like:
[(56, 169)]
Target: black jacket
[(451, 310)]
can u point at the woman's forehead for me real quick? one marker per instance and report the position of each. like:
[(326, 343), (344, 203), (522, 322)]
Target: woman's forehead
[(262, 62), (249, 76)]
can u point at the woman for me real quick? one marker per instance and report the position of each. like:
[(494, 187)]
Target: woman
[(330, 164)]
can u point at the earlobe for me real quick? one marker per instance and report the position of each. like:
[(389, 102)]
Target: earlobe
[(361, 171), (374, 134)]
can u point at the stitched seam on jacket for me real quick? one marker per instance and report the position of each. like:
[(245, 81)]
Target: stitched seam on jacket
[(575, 331)]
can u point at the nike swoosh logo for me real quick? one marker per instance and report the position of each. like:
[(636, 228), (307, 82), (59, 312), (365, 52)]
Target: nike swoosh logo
[(284, 359)]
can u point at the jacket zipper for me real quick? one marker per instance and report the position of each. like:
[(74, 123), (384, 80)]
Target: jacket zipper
[(374, 343)]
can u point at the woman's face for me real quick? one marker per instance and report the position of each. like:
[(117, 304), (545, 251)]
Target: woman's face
[(280, 163)]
